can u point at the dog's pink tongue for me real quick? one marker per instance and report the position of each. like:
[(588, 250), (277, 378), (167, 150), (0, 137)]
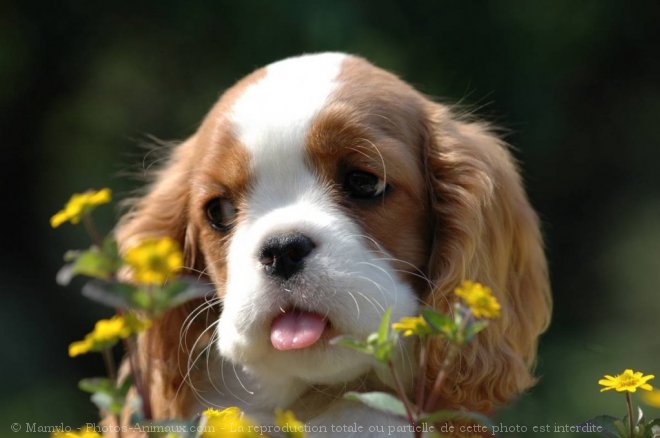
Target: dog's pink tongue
[(295, 329)]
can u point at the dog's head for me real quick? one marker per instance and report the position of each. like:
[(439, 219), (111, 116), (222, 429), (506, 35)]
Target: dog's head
[(320, 191)]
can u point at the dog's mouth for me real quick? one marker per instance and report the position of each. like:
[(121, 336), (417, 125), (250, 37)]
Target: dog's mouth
[(295, 329)]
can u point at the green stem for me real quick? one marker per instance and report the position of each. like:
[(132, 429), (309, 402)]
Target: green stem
[(440, 378), (449, 358), (109, 365), (421, 376), (404, 398), (149, 338), (630, 414), (147, 374), (92, 231), (131, 350), (112, 373)]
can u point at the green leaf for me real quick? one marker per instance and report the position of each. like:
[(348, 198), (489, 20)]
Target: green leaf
[(110, 249), (155, 300), (110, 293), (104, 401), (351, 342), (472, 329), (440, 323), (185, 289), (105, 395), (95, 262), (178, 292), (380, 401), (611, 426), (381, 344), (622, 426), (655, 428), (134, 405), (448, 415), (96, 384), (125, 386), (91, 263), (384, 329), (141, 299), (383, 352)]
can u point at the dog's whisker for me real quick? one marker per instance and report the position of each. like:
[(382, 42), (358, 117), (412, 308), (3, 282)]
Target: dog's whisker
[(357, 306), (375, 303), (227, 386), (238, 379), (190, 319), (187, 377), (191, 361), (208, 369)]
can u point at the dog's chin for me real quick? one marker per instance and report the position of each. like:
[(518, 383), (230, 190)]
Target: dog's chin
[(321, 362)]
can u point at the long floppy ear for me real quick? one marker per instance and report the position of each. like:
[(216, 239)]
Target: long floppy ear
[(163, 212), (485, 230)]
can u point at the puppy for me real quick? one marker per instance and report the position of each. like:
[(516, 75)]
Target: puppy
[(318, 192)]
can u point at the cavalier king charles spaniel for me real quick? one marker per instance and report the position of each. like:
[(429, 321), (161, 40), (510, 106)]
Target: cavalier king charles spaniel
[(318, 192)]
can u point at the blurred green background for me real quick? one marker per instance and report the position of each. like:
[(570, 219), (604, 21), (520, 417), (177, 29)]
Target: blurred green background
[(576, 84)]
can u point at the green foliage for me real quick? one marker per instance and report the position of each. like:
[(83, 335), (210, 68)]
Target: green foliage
[(154, 300), (380, 401), (459, 328), (105, 395), (380, 345), (618, 427), (152, 296), (95, 262)]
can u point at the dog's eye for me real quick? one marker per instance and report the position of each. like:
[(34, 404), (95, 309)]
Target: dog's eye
[(220, 213), (363, 185)]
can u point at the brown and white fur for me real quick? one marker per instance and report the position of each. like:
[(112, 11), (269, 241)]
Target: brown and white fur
[(274, 156)]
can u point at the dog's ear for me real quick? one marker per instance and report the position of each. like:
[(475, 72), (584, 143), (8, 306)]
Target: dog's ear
[(485, 230), (162, 211)]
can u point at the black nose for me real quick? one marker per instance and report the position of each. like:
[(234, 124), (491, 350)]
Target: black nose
[(282, 256)]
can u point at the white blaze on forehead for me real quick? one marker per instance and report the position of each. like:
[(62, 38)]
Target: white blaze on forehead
[(272, 117), (278, 107)]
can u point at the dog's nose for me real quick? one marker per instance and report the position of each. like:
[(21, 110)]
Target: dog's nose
[(282, 256)]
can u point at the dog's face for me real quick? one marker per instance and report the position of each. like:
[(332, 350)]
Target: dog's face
[(311, 207), (320, 191)]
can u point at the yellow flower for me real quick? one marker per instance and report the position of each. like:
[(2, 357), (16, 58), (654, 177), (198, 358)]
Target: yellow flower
[(108, 329), (652, 398), (629, 381), (83, 433), (154, 260), (291, 426), (230, 422), (80, 347), (412, 325), (107, 332), (479, 298), (79, 205)]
